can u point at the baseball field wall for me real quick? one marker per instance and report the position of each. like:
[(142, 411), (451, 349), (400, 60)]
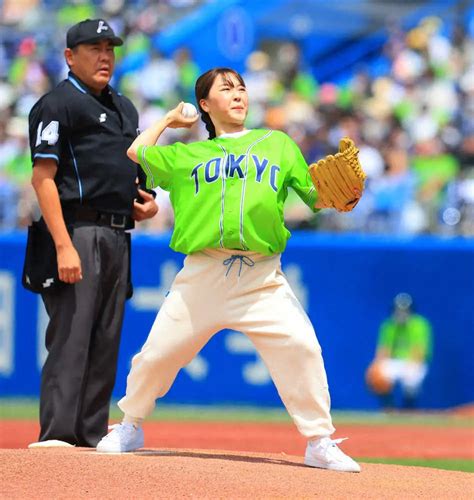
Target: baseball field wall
[(346, 284)]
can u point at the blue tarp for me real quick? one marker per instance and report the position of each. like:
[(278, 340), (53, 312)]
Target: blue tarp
[(345, 282)]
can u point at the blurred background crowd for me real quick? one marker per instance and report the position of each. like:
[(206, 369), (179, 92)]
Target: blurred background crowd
[(409, 107)]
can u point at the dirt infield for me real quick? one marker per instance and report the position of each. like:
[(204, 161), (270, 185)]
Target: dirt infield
[(394, 441), (253, 461), (186, 473)]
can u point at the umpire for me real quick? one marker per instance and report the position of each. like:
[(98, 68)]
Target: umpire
[(87, 190)]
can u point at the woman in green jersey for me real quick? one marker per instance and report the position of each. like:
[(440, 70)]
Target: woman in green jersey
[(228, 194)]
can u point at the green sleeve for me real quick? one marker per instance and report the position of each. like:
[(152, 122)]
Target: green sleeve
[(158, 164), (299, 178), (423, 336)]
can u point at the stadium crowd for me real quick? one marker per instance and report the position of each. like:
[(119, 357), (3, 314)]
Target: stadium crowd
[(414, 125)]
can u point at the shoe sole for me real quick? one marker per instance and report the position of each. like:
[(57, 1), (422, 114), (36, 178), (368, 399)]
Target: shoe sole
[(114, 452), (322, 465), (109, 450), (105, 449)]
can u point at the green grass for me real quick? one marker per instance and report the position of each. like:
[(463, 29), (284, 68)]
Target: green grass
[(438, 463), (18, 409), (27, 409), (422, 419)]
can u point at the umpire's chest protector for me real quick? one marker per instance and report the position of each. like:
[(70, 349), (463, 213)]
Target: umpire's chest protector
[(98, 141)]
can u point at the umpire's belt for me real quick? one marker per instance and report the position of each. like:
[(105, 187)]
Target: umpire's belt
[(115, 221)]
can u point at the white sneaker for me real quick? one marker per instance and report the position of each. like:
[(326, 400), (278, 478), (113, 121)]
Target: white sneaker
[(122, 438), (325, 454)]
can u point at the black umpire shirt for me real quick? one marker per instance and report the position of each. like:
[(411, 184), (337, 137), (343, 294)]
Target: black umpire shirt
[(88, 136)]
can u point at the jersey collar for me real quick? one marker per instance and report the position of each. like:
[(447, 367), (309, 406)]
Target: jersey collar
[(82, 87)]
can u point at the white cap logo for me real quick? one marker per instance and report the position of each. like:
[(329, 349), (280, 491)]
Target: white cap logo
[(102, 27)]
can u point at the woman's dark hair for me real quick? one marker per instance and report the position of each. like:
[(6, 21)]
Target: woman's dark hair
[(202, 88)]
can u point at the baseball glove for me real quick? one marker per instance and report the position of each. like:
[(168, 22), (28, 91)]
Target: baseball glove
[(376, 380), (339, 179)]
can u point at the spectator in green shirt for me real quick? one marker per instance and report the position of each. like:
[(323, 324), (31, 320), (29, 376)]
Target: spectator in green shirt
[(404, 349)]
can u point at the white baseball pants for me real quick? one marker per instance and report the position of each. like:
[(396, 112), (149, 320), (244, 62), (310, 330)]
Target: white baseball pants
[(409, 373), (250, 294)]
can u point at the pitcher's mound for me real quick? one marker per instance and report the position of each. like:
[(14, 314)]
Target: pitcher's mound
[(63, 473)]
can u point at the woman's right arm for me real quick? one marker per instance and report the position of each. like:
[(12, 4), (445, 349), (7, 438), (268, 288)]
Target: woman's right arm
[(149, 137)]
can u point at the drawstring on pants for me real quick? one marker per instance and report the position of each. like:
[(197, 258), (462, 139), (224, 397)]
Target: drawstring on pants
[(243, 260)]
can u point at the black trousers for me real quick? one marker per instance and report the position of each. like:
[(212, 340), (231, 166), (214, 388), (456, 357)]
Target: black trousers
[(82, 339)]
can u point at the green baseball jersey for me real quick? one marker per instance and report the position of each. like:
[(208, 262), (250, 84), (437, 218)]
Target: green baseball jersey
[(229, 192), (401, 339)]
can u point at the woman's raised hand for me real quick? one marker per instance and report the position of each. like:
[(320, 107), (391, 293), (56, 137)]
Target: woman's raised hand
[(176, 119)]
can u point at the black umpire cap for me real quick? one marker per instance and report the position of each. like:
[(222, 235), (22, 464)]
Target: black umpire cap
[(90, 31)]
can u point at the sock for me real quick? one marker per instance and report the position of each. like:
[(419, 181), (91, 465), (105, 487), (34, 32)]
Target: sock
[(135, 421)]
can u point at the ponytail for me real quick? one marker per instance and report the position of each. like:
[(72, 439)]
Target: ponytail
[(208, 122)]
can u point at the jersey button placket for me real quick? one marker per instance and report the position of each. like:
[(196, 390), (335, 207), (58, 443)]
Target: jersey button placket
[(231, 215)]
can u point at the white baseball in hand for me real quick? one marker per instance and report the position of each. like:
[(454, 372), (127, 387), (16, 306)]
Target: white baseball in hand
[(189, 110)]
